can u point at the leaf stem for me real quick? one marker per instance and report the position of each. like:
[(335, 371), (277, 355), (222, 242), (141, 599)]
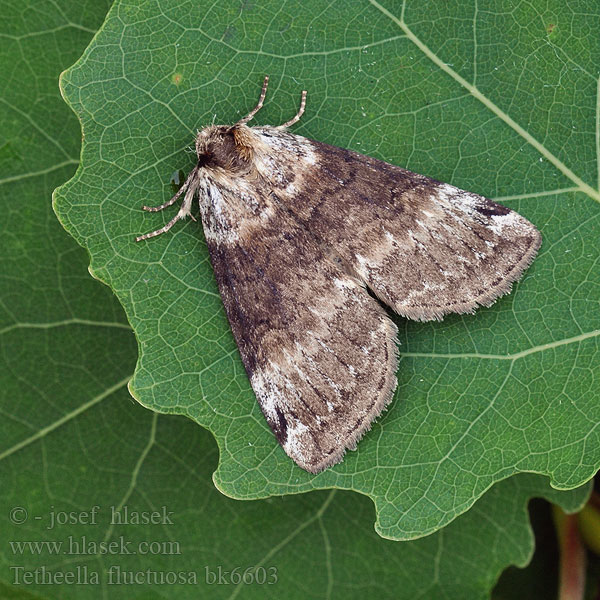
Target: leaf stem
[(572, 556)]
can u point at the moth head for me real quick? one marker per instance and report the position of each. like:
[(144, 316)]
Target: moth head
[(224, 147)]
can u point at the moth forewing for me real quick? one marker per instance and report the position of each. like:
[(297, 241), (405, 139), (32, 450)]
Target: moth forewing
[(297, 230)]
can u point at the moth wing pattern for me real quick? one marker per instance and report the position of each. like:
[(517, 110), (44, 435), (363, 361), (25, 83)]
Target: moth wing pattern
[(298, 231), (424, 247), (320, 352)]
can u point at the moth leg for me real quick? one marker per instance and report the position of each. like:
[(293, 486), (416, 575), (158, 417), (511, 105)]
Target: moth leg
[(261, 100), (298, 114), (184, 210), (180, 191)]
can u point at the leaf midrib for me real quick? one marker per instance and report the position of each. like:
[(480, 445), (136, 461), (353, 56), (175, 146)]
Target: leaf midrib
[(495, 109)]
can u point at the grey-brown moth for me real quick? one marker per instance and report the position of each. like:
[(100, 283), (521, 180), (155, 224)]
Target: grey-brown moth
[(298, 231)]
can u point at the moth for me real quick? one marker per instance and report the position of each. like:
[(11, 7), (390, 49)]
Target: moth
[(299, 232)]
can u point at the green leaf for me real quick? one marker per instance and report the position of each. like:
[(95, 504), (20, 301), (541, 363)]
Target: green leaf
[(540, 579), (492, 100), (71, 439), (315, 544)]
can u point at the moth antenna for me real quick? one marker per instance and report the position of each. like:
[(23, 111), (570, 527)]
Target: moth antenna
[(298, 114), (261, 100)]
